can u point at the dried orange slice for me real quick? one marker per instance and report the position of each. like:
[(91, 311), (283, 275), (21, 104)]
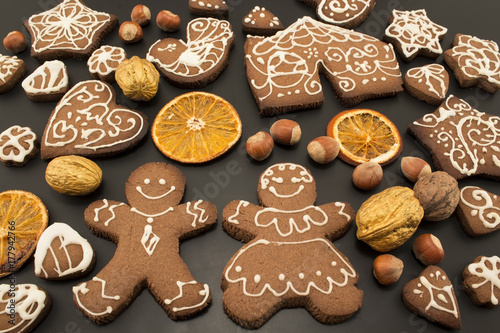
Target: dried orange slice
[(365, 135), (23, 218), (196, 127)]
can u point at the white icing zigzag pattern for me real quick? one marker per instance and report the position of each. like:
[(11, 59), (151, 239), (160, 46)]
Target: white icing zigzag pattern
[(472, 140)]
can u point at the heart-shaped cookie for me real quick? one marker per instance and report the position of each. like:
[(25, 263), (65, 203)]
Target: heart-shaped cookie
[(88, 122), (432, 296), (428, 83)]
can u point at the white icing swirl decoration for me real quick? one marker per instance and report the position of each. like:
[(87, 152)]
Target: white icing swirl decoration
[(433, 76), (482, 206), (106, 59)]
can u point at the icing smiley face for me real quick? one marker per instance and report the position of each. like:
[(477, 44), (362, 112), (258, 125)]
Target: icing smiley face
[(148, 190), (291, 184)]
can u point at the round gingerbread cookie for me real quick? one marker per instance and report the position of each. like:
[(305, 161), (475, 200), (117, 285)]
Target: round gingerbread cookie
[(104, 61), (18, 145)]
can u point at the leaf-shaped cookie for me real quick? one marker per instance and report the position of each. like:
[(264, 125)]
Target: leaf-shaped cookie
[(88, 122), (432, 296)]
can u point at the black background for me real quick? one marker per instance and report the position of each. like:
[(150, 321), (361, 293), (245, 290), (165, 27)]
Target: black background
[(235, 176)]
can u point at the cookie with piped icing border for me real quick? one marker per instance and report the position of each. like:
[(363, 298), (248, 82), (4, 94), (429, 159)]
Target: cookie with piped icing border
[(62, 253), (462, 140), (147, 230), (48, 83), (32, 305), (12, 69), (428, 83), (69, 30), (198, 61), (18, 145), (482, 281), (432, 296), (475, 62), (104, 61), (88, 122), (345, 13), (283, 70), (289, 259), (213, 8), (261, 22), (412, 33), (478, 211)]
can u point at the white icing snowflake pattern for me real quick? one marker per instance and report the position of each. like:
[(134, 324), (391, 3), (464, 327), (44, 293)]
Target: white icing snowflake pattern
[(68, 26), (488, 270), (415, 32)]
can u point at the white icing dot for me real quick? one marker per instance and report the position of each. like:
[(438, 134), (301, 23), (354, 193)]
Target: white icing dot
[(150, 220), (473, 212), (297, 91), (147, 181), (281, 277), (334, 263), (318, 273), (301, 276), (162, 181), (383, 78), (365, 81), (431, 136), (238, 269), (262, 15), (202, 292), (256, 278)]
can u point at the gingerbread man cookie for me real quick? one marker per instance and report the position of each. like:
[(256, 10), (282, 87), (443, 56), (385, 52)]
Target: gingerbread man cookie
[(283, 70), (69, 30), (463, 141), (289, 260), (200, 60), (475, 62), (147, 232), (345, 13)]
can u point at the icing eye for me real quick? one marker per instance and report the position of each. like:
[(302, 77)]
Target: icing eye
[(147, 181), (162, 181)]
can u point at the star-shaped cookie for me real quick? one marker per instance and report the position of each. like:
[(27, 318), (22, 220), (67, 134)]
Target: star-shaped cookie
[(69, 30), (475, 62), (463, 141), (413, 33)]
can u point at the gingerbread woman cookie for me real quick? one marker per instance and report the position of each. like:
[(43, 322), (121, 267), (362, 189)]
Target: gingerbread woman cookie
[(289, 260), (345, 13), (283, 70), (69, 30), (147, 232), (200, 60), (463, 141)]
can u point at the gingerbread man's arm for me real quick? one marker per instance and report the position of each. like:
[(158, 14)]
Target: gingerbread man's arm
[(340, 215), (238, 219), (105, 217), (193, 217)]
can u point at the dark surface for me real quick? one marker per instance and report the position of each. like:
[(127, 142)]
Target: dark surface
[(235, 176)]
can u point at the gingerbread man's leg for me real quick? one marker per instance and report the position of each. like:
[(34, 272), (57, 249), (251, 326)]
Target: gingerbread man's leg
[(249, 311), (176, 290), (335, 307), (105, 296)]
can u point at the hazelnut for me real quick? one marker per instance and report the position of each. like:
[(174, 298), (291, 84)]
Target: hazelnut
[(387, 269), (141, 15), (286, 132), (130, 32), (323, 149), (367, 176), (168, 21), (414, 168), (15, 42), (428, 249), (260, 145)]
